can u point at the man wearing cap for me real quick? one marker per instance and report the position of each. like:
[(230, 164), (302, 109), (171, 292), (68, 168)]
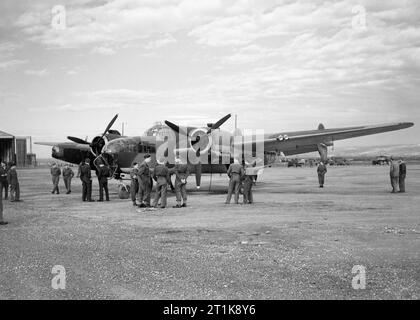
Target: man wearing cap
[(248, 180), (12, 179), (68, 174), (321, 170), (86, 177), (394, 174), (3, 181), (145, 182), (161, 176), (134, 186), (403, 173), (103, 174), (235, 173), (181, 172), (55, 174)]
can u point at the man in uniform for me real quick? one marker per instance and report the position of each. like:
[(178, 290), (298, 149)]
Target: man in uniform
[(134, 187), (403, 173), (12, 179), (68, 174), (79, 168), (322, 170), (103, 175), (181, 172), (86, 177), (3, 181), (394, 174), (235, 173), (55, 174), (2, 222), (161, 176), (145, 182), (247, 184)]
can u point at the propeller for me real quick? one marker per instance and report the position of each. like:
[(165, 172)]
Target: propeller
[(175, 128), (78, 140), (214, 126), (219, 123), (110, 125), (95, 143)]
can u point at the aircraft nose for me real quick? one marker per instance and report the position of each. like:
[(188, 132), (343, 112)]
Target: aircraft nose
[(56, 151)]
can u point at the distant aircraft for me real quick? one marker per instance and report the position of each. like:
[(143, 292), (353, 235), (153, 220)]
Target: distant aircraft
[(120, 152)]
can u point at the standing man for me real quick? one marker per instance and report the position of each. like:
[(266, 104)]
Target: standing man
[(181, 172), (12, 179), (3, 181), (145, 182), (2, 222), (134, 187), (403, 172), (394, 174), (79, 169), (55, 174), (235, 173), (322, 170), (103, 175), (86, 177), (247, 184), (68, 174), (161, 176)]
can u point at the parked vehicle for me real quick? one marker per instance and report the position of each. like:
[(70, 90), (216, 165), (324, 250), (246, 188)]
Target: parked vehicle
[(381, 160)]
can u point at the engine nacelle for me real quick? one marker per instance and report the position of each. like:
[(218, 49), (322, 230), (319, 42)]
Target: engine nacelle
[(98, 143), (200, 141)]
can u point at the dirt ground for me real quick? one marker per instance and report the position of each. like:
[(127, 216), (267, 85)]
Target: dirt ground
[(296, 242)]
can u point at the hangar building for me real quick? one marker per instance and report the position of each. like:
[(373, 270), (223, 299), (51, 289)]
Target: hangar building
[(15, 149)]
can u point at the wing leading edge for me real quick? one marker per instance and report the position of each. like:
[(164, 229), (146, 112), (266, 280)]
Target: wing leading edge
[(307, 141)]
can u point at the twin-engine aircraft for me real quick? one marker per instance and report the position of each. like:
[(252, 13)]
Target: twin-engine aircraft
[(207, 149)]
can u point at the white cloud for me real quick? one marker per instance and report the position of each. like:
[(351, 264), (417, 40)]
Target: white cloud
[(12, 63), (38, 73), (72, 72), (107, 51), (7, 59), (161, 42)]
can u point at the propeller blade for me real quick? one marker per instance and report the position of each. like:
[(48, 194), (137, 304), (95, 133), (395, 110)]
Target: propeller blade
[(219, 123), (93, 145), (198, 175), (175, 128), (197, 139), (78, 140), (110, 125)]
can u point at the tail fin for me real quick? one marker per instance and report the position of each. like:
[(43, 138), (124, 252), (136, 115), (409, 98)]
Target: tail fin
[(321, 127)]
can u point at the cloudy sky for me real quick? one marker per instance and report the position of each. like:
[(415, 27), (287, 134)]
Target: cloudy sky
[(278, 65)]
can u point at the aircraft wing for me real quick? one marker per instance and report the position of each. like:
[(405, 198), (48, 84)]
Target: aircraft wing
[(69, 145), (307, 141)]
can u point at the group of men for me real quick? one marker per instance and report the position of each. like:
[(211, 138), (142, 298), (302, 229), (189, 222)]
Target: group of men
[(8, 182), (142, 183), (240, 175), (84, 173), (398, 172), (68, 174)]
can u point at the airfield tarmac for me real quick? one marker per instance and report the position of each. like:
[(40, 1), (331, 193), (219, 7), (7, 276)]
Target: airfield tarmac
[(296, 242)]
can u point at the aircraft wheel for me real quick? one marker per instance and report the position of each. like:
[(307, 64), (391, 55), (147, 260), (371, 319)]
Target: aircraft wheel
[(123, 192)]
